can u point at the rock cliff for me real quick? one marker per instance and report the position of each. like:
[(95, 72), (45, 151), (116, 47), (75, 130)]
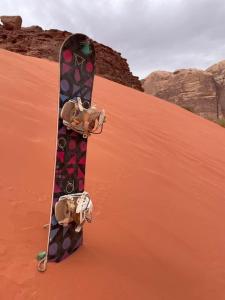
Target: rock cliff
[(35, 41), (202, 92)]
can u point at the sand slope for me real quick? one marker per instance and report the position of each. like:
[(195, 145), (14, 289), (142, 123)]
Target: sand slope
[(156, 176)]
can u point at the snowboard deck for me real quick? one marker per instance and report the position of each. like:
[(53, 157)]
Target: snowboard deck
[(77, 68)]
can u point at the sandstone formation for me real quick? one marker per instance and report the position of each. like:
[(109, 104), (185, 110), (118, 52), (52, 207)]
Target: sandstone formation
[(202, 92), (11, 23), (156, 83), (111, 65), (34, 41), (218, 71), (192, 89)]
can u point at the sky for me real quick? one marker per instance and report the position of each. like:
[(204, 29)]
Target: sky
[(151, 34)]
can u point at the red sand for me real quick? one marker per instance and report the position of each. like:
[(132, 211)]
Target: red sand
[(156, 176)]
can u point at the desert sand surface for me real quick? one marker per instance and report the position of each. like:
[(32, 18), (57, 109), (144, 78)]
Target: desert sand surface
[(157, 179)]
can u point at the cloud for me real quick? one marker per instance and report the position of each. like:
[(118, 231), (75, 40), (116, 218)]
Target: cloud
[(151, 34)]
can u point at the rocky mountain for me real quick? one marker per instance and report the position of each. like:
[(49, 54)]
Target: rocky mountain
[(34, 41), (202, 92)]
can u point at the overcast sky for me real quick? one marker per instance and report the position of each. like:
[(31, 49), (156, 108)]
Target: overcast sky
[(150, 34)]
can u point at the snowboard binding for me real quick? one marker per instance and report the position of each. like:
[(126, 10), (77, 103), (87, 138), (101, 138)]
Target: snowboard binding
[(82, 118), (74, 208)]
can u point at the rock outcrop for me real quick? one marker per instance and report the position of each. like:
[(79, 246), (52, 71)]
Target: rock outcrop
[(218, 72), (201, 92), (35, 41), (111, 65), (11, 23)]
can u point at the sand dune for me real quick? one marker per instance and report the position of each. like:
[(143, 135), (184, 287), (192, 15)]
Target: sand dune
[(156, 176)]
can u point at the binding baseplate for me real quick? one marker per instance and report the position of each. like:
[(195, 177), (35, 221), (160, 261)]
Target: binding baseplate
[(78, 116), (74, 208)]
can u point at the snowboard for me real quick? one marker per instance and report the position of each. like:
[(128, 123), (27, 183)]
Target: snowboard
[(77, 69)]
